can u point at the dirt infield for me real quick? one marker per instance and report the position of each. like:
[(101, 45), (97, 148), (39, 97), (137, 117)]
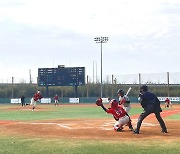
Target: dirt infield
[(100, 129)]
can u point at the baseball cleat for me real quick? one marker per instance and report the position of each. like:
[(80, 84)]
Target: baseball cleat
[(164, 131), (135, 132), (131, 129), (119, 129)]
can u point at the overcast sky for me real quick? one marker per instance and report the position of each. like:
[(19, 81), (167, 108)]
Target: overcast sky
[(143, 36)]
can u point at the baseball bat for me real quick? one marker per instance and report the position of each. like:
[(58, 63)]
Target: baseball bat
[(128, 91)]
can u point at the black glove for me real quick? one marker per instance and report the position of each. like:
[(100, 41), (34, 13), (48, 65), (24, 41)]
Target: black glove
[(140, 94)]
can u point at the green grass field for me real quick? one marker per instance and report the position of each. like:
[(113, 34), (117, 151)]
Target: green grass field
[(52, 112), (19, 144)]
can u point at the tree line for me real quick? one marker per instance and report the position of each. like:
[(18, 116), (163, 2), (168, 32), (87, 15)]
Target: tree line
[(88, 90)]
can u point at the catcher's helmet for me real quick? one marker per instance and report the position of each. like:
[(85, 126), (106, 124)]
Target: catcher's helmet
[(144, 88), (121, 92), (114, 103)]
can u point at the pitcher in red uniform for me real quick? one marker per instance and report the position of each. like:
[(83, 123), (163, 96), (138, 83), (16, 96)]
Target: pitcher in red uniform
[(37, 96), (120, 115)]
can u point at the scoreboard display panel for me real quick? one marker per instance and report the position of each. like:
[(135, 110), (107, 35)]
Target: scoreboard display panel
[(61, 76)]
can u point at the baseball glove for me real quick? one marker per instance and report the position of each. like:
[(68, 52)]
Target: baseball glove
[(99, 102)]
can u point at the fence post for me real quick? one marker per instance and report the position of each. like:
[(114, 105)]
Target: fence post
[(168, 83), (112, 86)]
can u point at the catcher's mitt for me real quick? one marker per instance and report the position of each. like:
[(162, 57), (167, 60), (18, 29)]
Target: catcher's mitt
[(99, 102)]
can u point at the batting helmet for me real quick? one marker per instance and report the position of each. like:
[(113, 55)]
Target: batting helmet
[(114, 103), (121, 92), (38, 92), (144, 88)]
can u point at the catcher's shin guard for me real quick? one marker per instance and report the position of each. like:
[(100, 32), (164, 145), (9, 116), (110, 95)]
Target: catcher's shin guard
[(130, 126)]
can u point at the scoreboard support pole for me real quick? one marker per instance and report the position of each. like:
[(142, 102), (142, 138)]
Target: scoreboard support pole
[(47, 91), (76, 91)]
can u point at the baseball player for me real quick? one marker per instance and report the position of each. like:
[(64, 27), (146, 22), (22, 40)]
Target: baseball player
[(125, 103), (124, 100), (37, 96), (167, 102), (118, 112), (56, 100)]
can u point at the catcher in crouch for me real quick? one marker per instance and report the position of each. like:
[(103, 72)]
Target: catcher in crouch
[(120, 115)]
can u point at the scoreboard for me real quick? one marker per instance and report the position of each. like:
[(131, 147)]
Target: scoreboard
[(61, 76)]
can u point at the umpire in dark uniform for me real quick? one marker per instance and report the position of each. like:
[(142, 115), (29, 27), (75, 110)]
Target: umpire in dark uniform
[(22, 100), (151, 104)]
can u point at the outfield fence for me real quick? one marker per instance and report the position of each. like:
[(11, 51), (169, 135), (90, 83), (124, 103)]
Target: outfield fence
[(140, 78), (67, 100)]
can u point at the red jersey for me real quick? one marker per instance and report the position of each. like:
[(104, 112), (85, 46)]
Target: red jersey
[(56, 97), (37, 96), (167, 101), (118, 112)]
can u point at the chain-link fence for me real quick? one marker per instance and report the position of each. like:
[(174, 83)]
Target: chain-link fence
[(141, 78)]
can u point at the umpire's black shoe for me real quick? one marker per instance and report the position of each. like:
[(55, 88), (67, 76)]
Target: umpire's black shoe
[(135, 132), (164, 131)]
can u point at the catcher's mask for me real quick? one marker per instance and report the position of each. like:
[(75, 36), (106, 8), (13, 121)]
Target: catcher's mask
[(121, 92), (114, 103)]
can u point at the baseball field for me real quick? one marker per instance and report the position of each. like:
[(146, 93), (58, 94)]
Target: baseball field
[(83, 129)]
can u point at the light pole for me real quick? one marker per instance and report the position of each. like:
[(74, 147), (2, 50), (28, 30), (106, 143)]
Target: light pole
[(101, 40)]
